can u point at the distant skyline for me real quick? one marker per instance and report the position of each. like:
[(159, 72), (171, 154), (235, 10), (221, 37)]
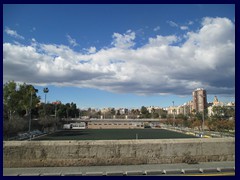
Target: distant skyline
[(121, 55)]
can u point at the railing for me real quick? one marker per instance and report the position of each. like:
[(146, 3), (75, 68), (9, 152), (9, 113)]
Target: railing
[(111, 119)]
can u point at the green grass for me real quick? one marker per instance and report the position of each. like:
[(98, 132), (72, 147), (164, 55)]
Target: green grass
[(114, 134)]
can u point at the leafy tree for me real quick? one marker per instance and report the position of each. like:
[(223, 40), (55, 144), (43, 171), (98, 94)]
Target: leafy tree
[(50, 109), (62, 111), (196, 124), (223, 112), (230, 112), (118, 113), (144, 110), (182, 116), (17, 124), (25, 93), (68, 110), (145, 113), (178, 122), (73, 110), (199, 116), (17, 100), (113, 112), (186, 123), (47, 122), (169, 121), (10, 98), (155, 115), (163, 113)]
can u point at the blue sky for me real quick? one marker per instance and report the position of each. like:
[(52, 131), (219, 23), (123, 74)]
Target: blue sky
[(121, 55)]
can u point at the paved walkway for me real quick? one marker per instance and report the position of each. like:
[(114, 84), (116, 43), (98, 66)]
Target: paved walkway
[(146, 169)]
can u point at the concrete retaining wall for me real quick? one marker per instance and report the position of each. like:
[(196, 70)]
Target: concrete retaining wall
[(111, 152)]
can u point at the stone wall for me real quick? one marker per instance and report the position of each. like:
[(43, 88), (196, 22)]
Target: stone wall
[(112, 152)]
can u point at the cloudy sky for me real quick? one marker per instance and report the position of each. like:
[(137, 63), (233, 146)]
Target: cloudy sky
[(121, 55)]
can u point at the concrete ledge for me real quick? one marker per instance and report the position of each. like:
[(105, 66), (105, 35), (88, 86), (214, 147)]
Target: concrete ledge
[(173, 171), (227, 169), (30, 174), (208, 170), (12, 175), (115, 173), (153, 172), (134, 173), (72, 174), (190, 171), (51, 174), (148, 170), (94, 174)]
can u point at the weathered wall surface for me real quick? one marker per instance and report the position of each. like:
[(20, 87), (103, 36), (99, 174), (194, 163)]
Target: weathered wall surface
[(109, 152)]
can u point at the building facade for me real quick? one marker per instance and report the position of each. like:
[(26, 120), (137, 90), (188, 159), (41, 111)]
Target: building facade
[(199, 99)]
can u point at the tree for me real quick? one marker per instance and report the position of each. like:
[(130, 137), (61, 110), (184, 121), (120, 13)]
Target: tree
[(113, 112), (186, 123), (223, 112), (144, 110), (163, 113), (199, 116), (182, 116), (26, 92), (17, 101), (155, 115), (178, 122), (145, 113), (73, 110), (47, 122), (10, 98), (17, 124), (196, 123), (230, 112)]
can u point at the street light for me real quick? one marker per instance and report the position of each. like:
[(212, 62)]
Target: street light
[(173, 114), (45, 90), (30, 113), (55, 104)]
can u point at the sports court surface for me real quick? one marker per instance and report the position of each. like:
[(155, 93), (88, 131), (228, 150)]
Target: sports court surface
[(114, 134)]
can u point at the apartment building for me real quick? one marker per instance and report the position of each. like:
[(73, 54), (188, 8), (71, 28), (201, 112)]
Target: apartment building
[(199, 99)]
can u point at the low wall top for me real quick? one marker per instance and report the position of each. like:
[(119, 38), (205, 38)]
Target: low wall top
[(108, 142)]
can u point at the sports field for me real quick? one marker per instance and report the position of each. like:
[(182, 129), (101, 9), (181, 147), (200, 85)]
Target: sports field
[(114, 134)]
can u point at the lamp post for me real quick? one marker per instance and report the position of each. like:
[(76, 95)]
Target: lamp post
[(173, 114), (55, 104), (45, 90), (30, 113), (203, 122)]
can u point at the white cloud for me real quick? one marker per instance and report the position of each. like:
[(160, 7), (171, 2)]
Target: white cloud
[(124, 41), (190, 22), (92, 50), (184, 28), (13, 33), (71, 41), (156, 28), (173, 24), (161, 40), (206, 59)]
